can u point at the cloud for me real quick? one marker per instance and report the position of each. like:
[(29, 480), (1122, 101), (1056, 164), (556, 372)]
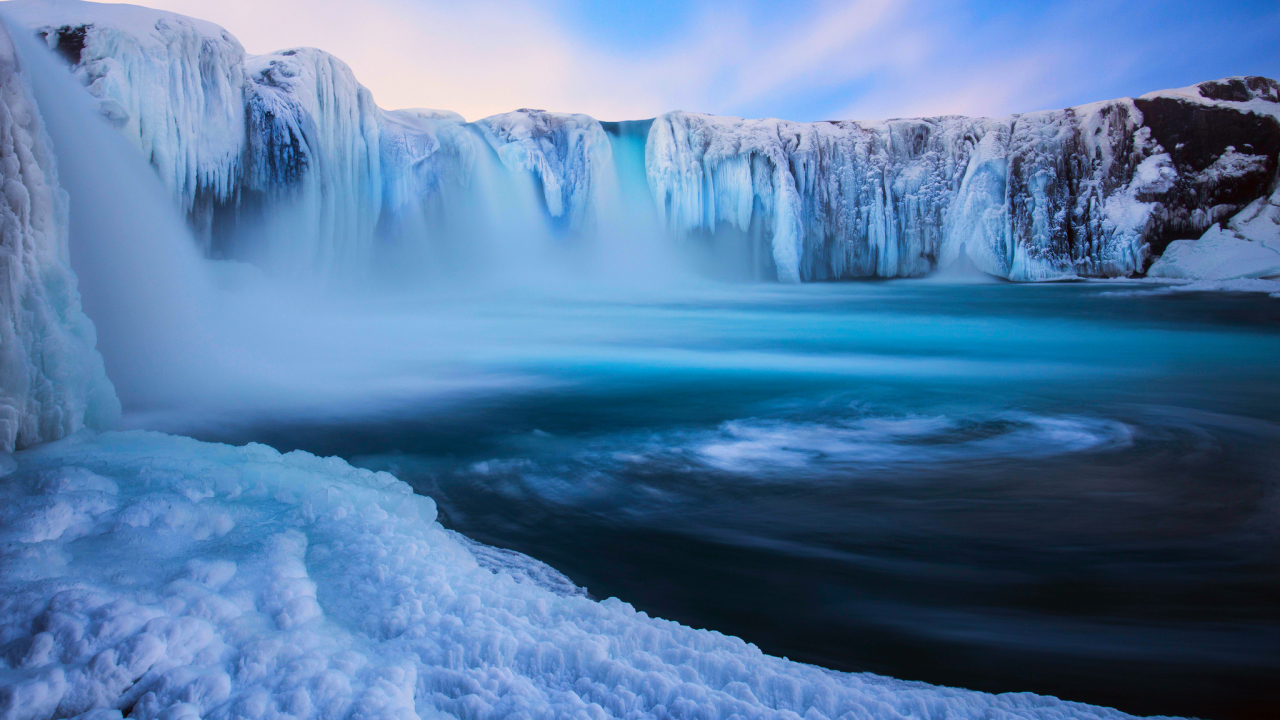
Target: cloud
[(823, 60), (483, 58)]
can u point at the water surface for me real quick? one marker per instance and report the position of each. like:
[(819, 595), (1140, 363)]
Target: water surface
[(1067, 489)]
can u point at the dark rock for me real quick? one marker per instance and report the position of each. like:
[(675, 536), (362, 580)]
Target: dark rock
[(68, 41), (1196, 136)]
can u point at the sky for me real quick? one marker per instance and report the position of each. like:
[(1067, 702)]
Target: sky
[(800, 60)]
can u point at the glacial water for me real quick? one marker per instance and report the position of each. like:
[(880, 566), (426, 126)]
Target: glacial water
[(1068, 489)]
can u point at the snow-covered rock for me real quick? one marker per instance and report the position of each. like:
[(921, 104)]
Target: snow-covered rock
[(1218, 255), (168, 578), (52, 380), (1260, 221)]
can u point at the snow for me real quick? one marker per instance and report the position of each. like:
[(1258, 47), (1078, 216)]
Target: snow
[(169, 578), (1248, 247), (52, 380), (1260, 221), (1217, 255)]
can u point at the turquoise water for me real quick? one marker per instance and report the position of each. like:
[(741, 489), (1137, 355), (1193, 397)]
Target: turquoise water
[(1068, 489)]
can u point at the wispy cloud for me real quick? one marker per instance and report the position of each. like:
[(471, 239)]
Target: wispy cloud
[(850, 58)]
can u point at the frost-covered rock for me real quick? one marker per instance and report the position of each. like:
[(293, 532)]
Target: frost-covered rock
[(1245, 247), (52, 380), (1218, 255), (170, 578)]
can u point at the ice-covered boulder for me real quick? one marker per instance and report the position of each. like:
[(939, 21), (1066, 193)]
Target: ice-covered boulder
[(296, 586), (1218, 255), (52, 380)]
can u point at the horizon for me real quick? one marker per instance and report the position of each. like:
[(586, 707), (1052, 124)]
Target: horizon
[(861, 60)]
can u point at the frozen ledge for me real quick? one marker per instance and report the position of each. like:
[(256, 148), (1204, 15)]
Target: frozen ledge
[(159, 576)]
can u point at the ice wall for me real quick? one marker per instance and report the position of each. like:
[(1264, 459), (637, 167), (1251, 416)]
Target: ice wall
[(285, 160), (1091, 191), (275, 158), (173, 85), (52, 380)]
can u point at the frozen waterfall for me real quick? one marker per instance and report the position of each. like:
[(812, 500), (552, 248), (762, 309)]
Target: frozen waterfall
[(52, 380), (284, 160)]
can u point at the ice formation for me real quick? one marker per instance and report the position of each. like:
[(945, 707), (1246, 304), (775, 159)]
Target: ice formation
[(52, 380), (285, 158), (570, 155), (1082, 192), (295, 586)]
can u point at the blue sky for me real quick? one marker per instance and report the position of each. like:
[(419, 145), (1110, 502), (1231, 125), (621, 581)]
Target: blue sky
[(800, 60)]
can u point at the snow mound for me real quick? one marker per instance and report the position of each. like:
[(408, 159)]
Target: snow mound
[(163, 577), (1218, 255), (1247, 248), (52, 380)]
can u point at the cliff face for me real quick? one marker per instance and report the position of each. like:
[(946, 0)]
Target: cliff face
[(52, 381), (1093, 191), (286, 159)]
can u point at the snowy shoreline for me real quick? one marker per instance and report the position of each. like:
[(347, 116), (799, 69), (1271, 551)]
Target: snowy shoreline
[(169, 577)]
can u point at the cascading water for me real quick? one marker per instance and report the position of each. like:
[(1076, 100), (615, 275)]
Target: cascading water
[(140, 275)]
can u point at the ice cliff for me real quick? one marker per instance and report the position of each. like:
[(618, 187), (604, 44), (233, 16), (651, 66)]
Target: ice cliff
[(1092, 191), (52, 380), (286, 157)]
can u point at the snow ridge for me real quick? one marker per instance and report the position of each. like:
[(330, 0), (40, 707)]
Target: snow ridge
[(52, 379)]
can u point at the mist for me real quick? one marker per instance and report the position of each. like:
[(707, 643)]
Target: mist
[(453, 290)]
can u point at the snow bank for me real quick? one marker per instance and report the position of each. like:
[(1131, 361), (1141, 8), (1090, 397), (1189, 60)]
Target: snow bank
[(1217, 255), (52, 380), (164, 577), (1247, 247)]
